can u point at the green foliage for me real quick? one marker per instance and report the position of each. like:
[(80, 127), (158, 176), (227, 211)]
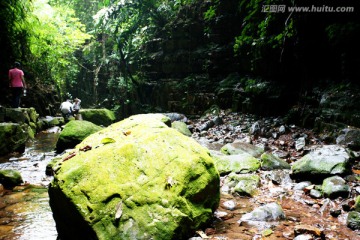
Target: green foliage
[(55, 35), (262, 29)]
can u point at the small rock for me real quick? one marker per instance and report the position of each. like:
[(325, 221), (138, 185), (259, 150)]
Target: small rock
[(315, 193), (302, 185), (229, 205)]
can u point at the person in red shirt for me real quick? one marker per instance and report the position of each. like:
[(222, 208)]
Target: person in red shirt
[(17, 84)]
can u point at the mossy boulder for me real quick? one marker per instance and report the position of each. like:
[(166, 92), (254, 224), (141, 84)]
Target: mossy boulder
[(271, 162), (238, 163), (137, 179), (73, 133), (334, 187), (323, 162), (181, 127), (13, 137), (101, 117), (10, 178), (353, 220)]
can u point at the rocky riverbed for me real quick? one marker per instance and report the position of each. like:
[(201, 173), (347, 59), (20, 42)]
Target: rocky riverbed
[(278, 207), (303, 210)]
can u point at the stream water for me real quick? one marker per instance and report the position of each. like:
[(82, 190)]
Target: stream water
[(25, 213)]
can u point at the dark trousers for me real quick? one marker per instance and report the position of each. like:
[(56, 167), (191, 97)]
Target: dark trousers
[(16, 96)]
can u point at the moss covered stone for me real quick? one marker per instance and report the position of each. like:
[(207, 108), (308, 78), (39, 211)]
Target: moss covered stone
[(181, 127), (239, 163), (73, 133), (10, 178), (140, 180), (13, 137), (271, 162), (353, 220), (101, 117)]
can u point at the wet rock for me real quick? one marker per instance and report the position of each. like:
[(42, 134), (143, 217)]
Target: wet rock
[(229, 205), (255, 128), (271, 162), (13, 137), (302, 185), (243, 184), (100, 117), (282, 129), (322, 162), (10, 178), (307, 229), (279, 177), (350, 137), (314, 193), (334, 187), (150, 183), (239, 163), (181, 127), (300, 143), (239, 147), (269, 212), (353, 220), (73, 133)]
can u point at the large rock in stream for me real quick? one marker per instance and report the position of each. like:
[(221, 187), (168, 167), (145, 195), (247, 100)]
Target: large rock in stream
[(14, 137), (136, 179), (73, 133)]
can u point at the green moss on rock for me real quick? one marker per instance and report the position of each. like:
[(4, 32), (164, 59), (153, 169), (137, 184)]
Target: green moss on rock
[(140, 180), (103, 116), (10, 178), (73, 133)]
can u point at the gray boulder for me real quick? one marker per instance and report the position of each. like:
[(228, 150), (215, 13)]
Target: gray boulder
[(322, 162)]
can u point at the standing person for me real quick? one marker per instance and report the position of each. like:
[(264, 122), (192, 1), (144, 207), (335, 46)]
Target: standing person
[(17, 84), (66, 109)]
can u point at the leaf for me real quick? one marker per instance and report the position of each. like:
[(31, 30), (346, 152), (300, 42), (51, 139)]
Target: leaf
[(267, 232), (118, 210), (107, 140)]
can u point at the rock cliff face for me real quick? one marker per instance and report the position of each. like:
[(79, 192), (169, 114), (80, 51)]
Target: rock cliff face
[(136, 179)]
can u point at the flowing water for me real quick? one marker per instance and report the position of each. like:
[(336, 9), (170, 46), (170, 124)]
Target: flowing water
[(24, 211)]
